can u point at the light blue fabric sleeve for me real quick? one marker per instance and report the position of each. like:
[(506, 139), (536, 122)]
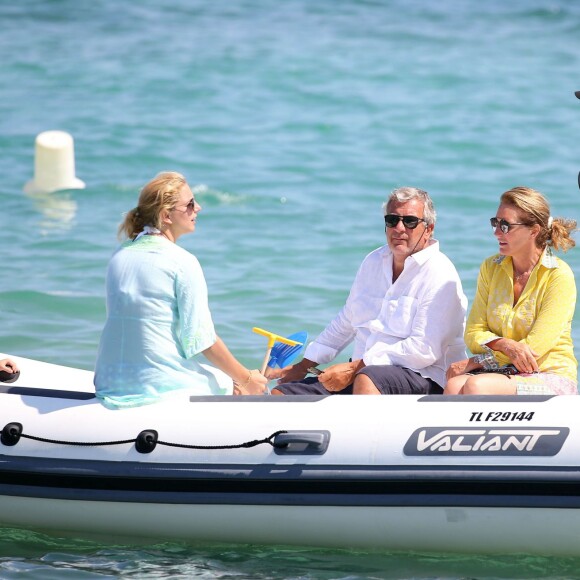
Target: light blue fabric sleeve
[(196, 332)]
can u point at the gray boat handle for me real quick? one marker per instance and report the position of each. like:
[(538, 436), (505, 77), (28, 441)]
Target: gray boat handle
[(301, 443)]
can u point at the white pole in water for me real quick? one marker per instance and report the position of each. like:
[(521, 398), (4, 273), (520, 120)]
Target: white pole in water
[(54, 164)]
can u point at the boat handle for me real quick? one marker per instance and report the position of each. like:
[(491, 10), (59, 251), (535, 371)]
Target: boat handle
[(301, 442)]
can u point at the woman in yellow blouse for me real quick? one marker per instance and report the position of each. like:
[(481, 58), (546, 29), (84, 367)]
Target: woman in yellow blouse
[(523, 309)]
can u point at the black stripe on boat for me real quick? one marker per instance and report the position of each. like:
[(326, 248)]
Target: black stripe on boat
[(290, 485)]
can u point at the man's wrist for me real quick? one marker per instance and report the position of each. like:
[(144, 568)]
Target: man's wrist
[(305, 364)]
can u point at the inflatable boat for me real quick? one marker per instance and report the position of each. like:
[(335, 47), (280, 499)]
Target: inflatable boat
[(432, 473)]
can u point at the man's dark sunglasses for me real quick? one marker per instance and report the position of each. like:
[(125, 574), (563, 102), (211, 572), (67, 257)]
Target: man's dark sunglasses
[(409, 221), (503, 225)]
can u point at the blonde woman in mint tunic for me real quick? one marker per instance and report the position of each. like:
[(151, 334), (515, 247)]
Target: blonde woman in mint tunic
[(158, 318)]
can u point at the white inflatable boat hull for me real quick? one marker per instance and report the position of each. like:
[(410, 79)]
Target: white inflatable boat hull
[(457, 474)]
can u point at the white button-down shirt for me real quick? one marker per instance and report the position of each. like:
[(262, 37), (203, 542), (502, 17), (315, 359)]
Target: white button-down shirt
[(416, 322)]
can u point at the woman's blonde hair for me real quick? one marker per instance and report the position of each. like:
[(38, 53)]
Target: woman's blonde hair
[(534, 209), (161, 193)]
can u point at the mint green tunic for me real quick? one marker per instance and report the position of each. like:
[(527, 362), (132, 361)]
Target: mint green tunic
[(158, 319)]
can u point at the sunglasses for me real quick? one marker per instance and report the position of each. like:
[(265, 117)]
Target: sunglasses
[(189, 207), (504, 226), (409, 221)]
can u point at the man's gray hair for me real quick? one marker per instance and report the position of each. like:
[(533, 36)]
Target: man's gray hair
[(404, 194)]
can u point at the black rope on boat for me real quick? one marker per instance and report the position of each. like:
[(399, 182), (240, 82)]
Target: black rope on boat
[(77, 443), (245, 445), (145, 442)]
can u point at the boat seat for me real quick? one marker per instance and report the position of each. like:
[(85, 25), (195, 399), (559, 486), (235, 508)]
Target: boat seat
[(52, 393)]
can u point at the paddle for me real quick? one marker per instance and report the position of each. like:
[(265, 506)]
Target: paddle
[(284, 354), (272, 339)]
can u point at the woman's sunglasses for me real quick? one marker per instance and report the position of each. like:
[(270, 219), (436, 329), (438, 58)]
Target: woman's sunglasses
[(409, 221), (504, 226), (189, 207)]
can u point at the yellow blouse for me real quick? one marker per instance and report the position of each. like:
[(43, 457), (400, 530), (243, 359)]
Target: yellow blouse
[(542, 317)]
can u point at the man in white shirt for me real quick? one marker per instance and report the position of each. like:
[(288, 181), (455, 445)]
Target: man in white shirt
[(405, 312)]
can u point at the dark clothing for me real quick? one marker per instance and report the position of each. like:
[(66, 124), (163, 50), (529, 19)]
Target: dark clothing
[(389, 380), (393, 380)]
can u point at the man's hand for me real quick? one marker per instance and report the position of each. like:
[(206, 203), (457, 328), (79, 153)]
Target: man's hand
[(339, 376), (291, 373), (460, 368)]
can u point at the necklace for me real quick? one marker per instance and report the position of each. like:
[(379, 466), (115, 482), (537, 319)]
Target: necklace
[(517, 276), (526, 273)]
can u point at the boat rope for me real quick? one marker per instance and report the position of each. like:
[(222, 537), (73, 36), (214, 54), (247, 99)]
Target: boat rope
[(245, 445), (145, 442)]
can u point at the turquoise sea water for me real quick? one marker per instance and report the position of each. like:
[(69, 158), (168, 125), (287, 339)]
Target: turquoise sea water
[(294, 120)]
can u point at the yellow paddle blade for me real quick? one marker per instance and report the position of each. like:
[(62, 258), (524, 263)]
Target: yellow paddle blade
[(272, 337)]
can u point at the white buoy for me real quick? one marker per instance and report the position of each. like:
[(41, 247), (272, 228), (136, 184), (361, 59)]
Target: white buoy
[(54, 164)]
